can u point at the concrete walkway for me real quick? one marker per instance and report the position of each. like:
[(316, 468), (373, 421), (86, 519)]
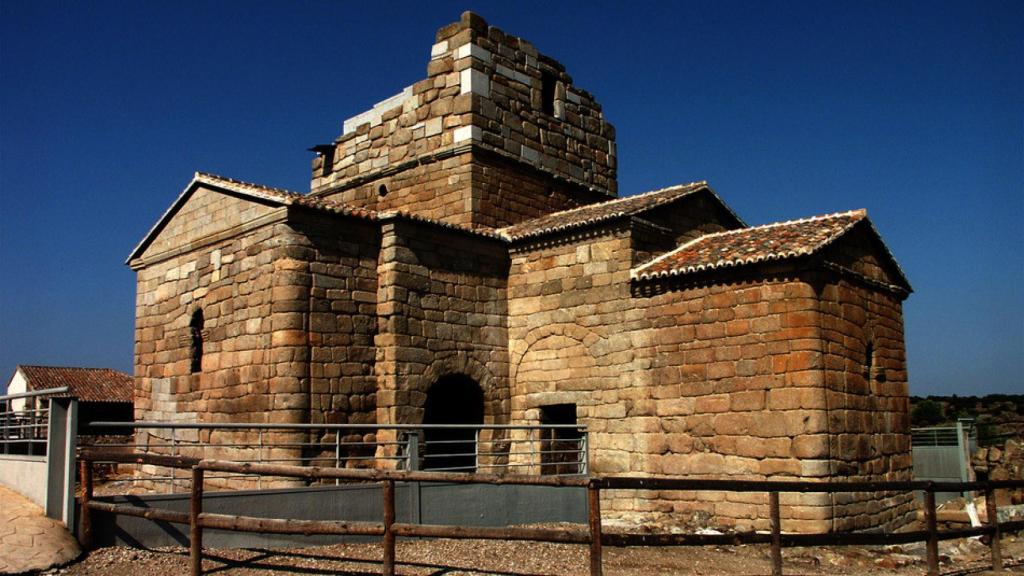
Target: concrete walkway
[(28, 539)]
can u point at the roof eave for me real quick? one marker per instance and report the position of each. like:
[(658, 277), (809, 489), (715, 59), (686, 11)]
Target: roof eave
[(198, 179)]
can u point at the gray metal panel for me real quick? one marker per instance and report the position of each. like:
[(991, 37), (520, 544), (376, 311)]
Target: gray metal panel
[(940, 464), (937, 463), (495, 505), (475, 505)]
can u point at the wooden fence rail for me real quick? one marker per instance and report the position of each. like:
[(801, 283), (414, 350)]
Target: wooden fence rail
[(389, 529)]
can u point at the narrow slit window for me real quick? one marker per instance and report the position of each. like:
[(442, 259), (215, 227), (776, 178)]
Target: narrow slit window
[(547, 92), (195, 327), (328, 154), (869, 361)]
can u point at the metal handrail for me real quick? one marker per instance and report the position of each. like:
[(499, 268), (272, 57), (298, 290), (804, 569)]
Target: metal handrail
[(285, 426), (34, 393)]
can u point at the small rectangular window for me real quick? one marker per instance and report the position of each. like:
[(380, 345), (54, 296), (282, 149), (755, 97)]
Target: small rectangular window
[(561, 448), (328, 153)]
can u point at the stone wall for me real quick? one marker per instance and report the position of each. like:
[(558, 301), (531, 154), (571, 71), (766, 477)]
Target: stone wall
[(241, 380), (288, 309), (441, 311), (713, 378), (334, 269), (865, 375), (489, 100)]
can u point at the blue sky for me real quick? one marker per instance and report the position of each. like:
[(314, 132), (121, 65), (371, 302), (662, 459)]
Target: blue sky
[(914, 111)]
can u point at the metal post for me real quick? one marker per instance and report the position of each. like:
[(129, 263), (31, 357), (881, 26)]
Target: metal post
[(85, 529), (963, 457), (594, 519), (932, 527), (259, 458), (538, 467), (993, 522), (337, 453), (389, 534), (195, 552), (585, 456), (412, 450), (174, 452), (476, 449), (776, 519), (5, 413)]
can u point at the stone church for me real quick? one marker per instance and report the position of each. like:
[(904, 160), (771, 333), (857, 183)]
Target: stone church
[(464, 243)]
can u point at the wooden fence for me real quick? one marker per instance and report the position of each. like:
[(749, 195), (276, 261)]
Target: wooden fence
[(389, 529)]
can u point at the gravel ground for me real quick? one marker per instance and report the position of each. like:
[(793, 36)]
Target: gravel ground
[(476, 557)]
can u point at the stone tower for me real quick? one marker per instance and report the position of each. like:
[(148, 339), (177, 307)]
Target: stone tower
[(495, 134)]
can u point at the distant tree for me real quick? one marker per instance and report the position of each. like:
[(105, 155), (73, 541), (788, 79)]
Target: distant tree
[(927, 412)]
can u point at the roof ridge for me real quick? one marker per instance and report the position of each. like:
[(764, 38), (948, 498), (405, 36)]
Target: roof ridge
[(687, 188), (200, 175), (413, 217), (669, 254), (252, 190), (622, 199), (67, 367), (861, 213), (292, 198)]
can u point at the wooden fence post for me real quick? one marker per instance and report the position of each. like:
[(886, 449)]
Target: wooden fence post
[(776, 519), (993, 521), (932, 527), (85, 528), (389, 531), (594, 519), (195, 551)]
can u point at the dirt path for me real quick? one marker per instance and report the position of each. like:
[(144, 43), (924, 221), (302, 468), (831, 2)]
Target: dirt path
[(474, 557)]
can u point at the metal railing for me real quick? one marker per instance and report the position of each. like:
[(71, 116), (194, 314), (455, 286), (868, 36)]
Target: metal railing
[(388, 529), (24, 425), (555, 450), (942, 435)]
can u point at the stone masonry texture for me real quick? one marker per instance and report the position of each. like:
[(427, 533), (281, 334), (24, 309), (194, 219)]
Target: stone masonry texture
[(470, 227)]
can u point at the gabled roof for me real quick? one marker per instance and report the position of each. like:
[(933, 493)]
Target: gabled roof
[(282, 197), (605, 211), (258, 192), (85, 384), (771, 242)]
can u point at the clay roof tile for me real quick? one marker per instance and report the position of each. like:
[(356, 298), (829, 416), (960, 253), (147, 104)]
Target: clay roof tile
[(601, 211), (778, 241), (85, 384)]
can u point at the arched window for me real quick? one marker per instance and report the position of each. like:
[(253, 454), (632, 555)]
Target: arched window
[(195, 328)]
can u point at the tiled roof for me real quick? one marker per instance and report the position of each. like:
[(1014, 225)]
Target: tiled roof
[(413, 217), (280, 195), (85, 384), (601, 212), (777, 241)]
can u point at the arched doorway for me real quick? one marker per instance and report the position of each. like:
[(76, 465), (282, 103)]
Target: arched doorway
[(455, 399)]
